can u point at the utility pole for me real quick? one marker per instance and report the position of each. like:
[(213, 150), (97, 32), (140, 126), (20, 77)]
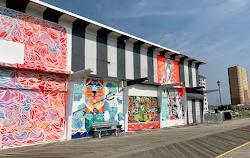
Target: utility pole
[(218, 82)]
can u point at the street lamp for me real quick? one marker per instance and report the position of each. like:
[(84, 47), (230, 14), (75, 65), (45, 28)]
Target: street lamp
[(218, 82)]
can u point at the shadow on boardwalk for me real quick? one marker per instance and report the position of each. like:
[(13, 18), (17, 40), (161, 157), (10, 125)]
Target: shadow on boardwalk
[(182, 141)]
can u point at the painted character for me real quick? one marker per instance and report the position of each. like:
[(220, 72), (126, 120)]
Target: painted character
[(167, 77), (94, 96)]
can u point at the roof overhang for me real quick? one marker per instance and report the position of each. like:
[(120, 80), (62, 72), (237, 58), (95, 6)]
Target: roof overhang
[(68, 16)]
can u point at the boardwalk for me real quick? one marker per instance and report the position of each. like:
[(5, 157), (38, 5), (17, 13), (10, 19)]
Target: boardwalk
[(183, 141)]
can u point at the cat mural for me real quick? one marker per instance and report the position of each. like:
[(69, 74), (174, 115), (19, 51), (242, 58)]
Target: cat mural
[(95, 101)]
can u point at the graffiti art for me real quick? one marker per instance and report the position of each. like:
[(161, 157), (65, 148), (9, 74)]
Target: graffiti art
[(95, 101), (173, 104), (142, 110), (167, 70)]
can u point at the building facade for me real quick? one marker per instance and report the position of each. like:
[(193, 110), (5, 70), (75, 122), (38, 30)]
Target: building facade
[(239, 85), (202, 83), (42, 46)]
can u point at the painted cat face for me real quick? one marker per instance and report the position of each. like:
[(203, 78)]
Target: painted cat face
[(94, 91)]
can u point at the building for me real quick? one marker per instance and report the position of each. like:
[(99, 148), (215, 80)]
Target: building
[(133, 82), (202, 82), (239, 85)]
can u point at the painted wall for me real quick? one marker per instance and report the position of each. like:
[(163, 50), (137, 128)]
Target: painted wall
[(32, 103), (167, 70), (173, 107), (95, 100), (30, 111), (45, 43), (142, 113)]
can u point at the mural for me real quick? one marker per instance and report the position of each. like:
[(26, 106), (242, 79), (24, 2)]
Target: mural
[(142, 112), (45, 42), (29, 111), (167, 70), (173, 105), (95, 101), (32, 103)]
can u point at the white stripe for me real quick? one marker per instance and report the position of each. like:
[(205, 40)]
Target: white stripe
[(3, 3), (190, 114), (144, 63), (90, 52), (35, 9), (194, 75), (112, 57), (129, 61), (155, 53), (186, 74), (197, 111)]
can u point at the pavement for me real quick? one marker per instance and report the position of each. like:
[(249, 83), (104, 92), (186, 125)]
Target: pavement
[(180, 141)]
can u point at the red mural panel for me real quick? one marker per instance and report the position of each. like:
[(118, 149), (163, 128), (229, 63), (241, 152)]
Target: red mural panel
[(45, 42), (143, 126), (167, 70)]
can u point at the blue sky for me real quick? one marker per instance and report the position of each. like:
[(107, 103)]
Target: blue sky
[(214, 31)]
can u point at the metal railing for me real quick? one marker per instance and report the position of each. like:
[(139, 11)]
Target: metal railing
[(213, 118)]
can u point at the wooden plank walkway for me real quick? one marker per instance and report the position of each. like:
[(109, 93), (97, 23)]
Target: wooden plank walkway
[(182, 141)]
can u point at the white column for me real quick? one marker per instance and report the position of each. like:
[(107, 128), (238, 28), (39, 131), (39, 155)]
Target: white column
[(68, 115), (194, 75), (125, 106), (155, 53), (112, 54), (159, 101), (186, 74), (190, 112), (129, 59), (91, 47), (144, 60), (197, 111)]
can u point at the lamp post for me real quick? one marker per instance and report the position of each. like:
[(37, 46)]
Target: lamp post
[(218, 82)]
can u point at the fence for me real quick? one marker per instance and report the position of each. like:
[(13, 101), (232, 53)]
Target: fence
[(214, 118)]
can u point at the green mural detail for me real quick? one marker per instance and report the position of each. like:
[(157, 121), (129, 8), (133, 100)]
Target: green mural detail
[(142, 109), (95, 102)]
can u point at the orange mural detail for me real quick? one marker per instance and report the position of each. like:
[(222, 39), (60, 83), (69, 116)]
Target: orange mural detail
[(167, 70)]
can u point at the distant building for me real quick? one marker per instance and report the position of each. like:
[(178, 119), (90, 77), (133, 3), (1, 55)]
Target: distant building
[(239, 85), (202, 82)]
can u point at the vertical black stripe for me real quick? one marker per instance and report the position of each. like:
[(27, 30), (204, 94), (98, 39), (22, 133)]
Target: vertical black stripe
[(52, 15), (193, 110), (162, 53), (150, 65), (19, 5), (187, 112), (78, 45), (181, 69), (137, 59), (121, 57), (190, 74), (197, 74), (201, 109), (102, 52)]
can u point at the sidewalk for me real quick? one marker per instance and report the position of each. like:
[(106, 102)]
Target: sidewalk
[(179, 141)]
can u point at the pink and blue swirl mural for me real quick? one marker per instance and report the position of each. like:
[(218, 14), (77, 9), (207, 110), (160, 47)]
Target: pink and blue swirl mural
[(45, 42), (32, 103)]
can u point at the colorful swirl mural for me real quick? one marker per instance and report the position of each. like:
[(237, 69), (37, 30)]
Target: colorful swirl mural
[(30, 111), (167, 70), (142, 113), (95, 101), (45, 42), (173, 105)]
